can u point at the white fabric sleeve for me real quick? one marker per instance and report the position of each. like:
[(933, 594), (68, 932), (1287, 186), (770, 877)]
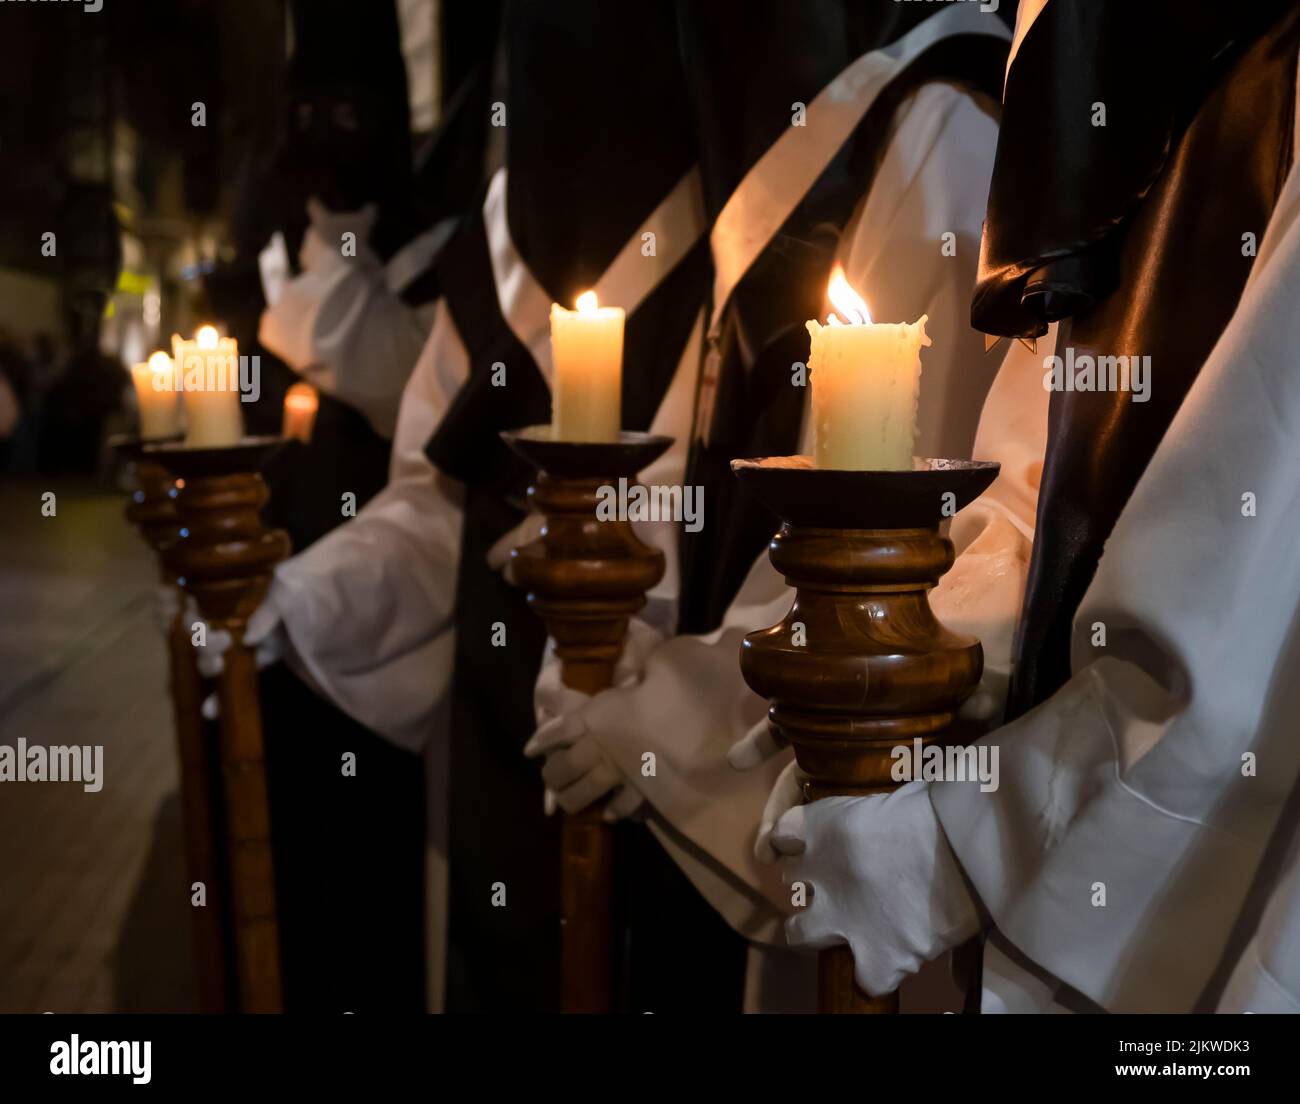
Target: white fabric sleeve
[(1135, 804), (368, 607), (342, 324), (692, 704)]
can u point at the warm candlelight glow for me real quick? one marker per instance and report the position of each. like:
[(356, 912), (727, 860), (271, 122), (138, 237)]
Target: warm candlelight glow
[(207, 371), (851, 307), (300, 405), (586, 388), (156, 397), (865, 381)]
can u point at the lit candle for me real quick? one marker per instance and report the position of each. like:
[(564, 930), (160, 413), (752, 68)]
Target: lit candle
[(155, 393), (208, 371), (300, 403), (587, 345), (865, 381)]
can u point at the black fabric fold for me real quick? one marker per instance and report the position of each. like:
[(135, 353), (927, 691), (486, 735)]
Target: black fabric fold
[(1064, 187), (757, 411), (1180, 269)]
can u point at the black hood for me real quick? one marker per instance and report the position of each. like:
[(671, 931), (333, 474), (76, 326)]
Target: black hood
[(1064, 188), (598, 131)]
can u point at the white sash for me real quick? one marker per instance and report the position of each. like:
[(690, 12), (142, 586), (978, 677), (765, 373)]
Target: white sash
[(780, 179), (677, 224)]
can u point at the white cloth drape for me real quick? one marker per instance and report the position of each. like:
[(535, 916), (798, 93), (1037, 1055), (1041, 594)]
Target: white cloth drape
[(1157, 775)]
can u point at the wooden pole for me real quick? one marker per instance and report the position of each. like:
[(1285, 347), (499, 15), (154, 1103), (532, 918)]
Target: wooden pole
[(153, 511), (860, 665), (585, 577), (224, 558)]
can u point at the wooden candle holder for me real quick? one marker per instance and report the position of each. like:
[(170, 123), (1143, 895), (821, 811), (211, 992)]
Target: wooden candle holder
[(585, 578), (152, 510), (224, 557), (860, 664)]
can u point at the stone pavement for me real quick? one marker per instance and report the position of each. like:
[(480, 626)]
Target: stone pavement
[(93, 895)]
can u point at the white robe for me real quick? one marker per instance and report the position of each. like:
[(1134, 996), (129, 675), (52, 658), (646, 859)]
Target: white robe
[(368, 608), (341, 322), (1159, 772), (692, 704)]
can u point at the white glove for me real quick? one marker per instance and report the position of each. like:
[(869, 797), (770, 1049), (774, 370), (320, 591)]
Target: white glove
[(264, 633), (577, 769), (761, 742), (881, 878), (322, 245)]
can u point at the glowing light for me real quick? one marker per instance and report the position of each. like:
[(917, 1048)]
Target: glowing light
[(587, 303), (207, 337), (160, 363), (848, 304)]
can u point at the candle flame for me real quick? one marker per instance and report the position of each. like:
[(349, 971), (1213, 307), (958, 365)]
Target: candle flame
[(587, 303), (300, 404), (301, 396), (848, 303), (160, 363), (207, 337)]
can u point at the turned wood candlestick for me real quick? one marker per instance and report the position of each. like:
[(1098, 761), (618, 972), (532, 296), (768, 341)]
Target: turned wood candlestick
[(585, 577), (224, 557), (860, 664), (152, 510)]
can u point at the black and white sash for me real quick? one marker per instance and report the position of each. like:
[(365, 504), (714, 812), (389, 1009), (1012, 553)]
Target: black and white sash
[(773, 245)]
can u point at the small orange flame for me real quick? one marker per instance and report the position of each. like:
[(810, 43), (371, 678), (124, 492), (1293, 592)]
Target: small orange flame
[(160, 364), (588, 303), (848, 304), (300, 404), (207, 337)]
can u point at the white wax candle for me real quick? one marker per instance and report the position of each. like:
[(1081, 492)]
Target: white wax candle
[(865, 382), (155, 393), (208, 370), (587, 348), (300, 405)]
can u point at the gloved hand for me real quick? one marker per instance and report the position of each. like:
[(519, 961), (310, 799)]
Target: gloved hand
[(761, 742), (322, 245), (882, 879), (264, 633), (577, 769)]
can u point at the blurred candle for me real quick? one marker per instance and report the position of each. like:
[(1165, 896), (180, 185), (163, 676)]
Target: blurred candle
[(155, 393), (587, 345), (208, 370), (300, 403), (865, 382)]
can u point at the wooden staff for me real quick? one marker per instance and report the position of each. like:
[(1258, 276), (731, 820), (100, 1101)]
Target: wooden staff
[(585, 577), (224, 557), (152, 511), (860, 664)]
